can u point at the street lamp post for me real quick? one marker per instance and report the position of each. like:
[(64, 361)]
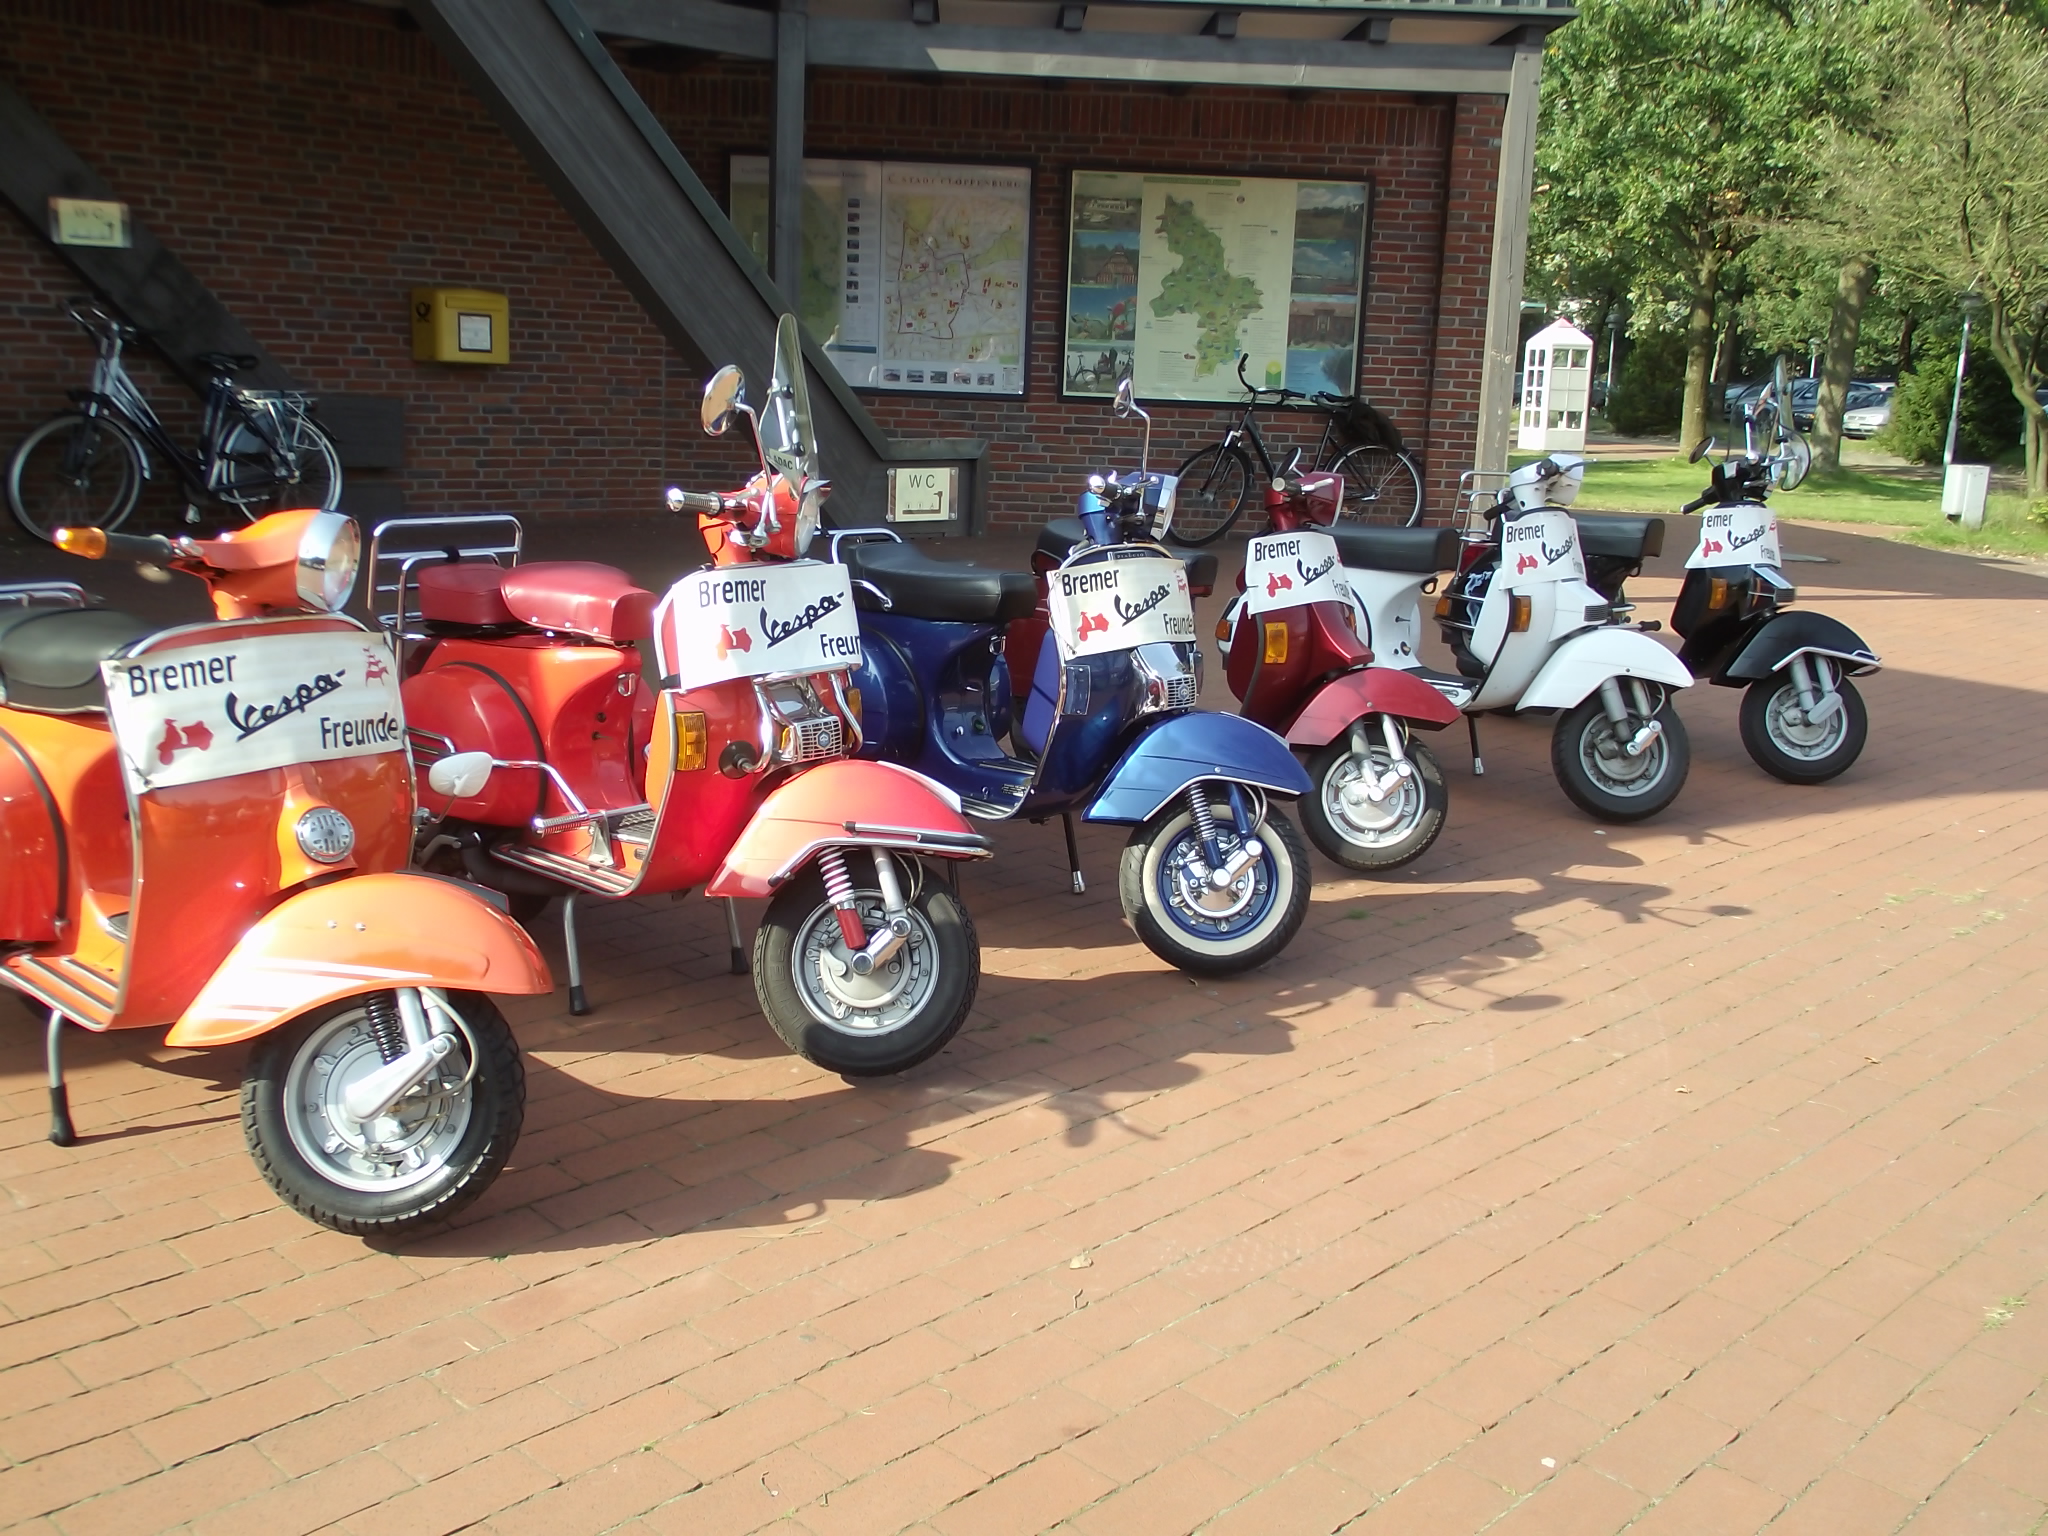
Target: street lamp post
[(1972, 302), (1963, 486)]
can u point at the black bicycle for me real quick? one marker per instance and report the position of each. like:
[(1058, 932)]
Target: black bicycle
[(1381, 483), (259, 449)]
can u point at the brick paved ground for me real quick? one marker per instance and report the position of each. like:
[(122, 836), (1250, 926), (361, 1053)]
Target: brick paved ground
[(1687, 1178)]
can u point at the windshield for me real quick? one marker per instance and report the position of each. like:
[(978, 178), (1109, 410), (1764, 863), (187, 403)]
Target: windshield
[(787, 440)]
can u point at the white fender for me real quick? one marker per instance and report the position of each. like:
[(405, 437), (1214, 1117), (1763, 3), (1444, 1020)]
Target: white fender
[(1588, 659)]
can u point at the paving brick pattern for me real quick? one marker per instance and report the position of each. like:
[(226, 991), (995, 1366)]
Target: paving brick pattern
[(1680, 1178)]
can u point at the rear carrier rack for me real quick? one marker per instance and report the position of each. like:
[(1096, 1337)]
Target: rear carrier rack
[(390, 594)]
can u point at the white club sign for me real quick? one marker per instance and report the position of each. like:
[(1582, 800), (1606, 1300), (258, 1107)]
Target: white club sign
[(1744, 534), (1538, 547), (1288, 570), (751, 620), (190, 714), (1114, 605)]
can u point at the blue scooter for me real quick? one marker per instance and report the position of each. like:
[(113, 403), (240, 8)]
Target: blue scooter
[(1215, 880)]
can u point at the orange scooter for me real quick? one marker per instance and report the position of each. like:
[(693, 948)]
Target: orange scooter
[(208, 826)]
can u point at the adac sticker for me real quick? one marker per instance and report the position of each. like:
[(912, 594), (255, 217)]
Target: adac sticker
[(1114, 605), (189, 714), (750, 620), (1744, 534), (1287, 570), (1538, 547)]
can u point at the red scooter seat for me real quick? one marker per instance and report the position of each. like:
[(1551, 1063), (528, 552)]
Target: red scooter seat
[(572, 596)]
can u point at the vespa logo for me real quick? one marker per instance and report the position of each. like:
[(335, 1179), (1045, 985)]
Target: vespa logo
[(1092, 623), (249, 719), (1557, 554), (1276, 583), (195, 736), (730, 640), (1311, 577), (811, 615)]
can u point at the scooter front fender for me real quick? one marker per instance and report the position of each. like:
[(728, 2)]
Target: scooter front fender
[(1796, 633), (1184, 749), (1373, 691), (367, 933), (1587, 660), (841, 804)]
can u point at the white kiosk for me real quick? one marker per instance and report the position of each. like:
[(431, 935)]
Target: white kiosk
[(1557, 384)]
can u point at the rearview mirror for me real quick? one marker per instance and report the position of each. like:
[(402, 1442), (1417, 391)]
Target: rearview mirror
[(460, 774), (1700, 450), (1126, 403), (722, 393)]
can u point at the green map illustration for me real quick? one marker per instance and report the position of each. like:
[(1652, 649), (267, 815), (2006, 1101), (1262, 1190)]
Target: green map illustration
[(1203, 286)]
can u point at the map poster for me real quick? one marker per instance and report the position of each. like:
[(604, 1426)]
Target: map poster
[(1171, 278), (914, 275)]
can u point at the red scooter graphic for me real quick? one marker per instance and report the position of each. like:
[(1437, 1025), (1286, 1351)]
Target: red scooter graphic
[(1293, 658)]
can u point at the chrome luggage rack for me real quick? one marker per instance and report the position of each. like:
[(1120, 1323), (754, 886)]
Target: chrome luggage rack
[(390, 596)]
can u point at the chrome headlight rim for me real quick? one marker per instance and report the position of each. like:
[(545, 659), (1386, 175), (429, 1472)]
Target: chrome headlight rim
[(330, 555)]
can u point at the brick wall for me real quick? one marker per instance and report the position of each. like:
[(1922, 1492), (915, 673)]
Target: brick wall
[(311, 164)]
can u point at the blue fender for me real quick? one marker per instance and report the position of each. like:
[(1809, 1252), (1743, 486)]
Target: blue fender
[(1182, 749), (1791, 633)]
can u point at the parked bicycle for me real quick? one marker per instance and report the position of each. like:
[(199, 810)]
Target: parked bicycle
[(259, 449), (1381, 483)]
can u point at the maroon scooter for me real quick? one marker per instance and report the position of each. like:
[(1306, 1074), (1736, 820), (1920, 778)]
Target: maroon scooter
[(1294, 660)]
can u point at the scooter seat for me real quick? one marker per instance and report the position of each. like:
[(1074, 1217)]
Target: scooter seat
[(574, 597), (920, 587), (1619, 538), (1056, 541), (50, 657), (1423, 550)]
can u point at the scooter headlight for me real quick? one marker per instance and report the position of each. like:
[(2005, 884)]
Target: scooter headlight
[(329, 551), (325, 835)]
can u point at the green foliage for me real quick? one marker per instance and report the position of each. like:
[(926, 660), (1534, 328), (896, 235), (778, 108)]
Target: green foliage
[(1988, 428), (1649, 387)]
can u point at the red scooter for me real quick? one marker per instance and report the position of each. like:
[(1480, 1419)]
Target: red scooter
[(1293, 658), (571, 779)]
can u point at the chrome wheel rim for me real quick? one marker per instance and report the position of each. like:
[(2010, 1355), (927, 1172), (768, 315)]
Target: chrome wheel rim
[(1356, 818), (1793, 734), (407, 1146), (1603, 753), (887, 998)]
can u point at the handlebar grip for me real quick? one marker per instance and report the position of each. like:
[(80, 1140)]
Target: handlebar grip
[(98, 544), (1695, 504), (695, 501)]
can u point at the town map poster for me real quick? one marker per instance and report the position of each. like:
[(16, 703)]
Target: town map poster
[(1171, 278), (914, 275)]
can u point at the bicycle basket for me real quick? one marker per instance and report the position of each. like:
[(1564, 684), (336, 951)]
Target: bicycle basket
[(1360, 424)]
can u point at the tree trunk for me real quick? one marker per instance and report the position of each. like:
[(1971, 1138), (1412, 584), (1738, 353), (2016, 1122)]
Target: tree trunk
[(2019, 373), (1907, 327), (1699, 352), (1726, 356), (1845, 323)]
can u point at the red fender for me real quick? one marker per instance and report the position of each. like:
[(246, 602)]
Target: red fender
[(363, 934), (844, 804), (1373, 691)]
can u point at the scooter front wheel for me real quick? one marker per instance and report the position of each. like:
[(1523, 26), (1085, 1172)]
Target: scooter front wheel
[(429, 1155), (1599, 775), (1350, 827), (1786, 745), (889, 1020), (1183, 917)]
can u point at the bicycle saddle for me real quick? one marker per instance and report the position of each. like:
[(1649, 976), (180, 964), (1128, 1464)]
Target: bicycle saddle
[(920, 587), (1427, 550), (50, 657), (226, 363), (1057, 539)]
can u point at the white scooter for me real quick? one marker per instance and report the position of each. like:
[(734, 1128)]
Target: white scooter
[(1529, 632)]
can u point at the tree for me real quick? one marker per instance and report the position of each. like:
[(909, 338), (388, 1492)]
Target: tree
[(1950, 184), (1677, 130)]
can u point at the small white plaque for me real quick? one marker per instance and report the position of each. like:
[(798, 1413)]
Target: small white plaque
[(89, 221), (922, 495), (472, 332)]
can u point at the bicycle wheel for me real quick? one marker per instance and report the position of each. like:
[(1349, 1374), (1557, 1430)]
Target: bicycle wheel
[(1214, 486), (1380, 486), (75, 471), (304, 470)]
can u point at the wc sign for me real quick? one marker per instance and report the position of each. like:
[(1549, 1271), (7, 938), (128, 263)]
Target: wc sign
[(922, 495)]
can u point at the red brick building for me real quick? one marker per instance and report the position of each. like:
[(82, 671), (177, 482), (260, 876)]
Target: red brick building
[(313, 163)]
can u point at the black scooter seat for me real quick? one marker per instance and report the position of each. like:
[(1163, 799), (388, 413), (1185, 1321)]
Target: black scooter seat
[(50, 657), (920, 587), (1620, 538), (1056, 541), (1425, 550)]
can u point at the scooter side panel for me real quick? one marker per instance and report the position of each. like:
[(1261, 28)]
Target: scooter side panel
[(35, 858), (1390, 613), (841, 804), (356, 936), (1587, 660), (1373, 691), (1790, 633), (1182, 749)]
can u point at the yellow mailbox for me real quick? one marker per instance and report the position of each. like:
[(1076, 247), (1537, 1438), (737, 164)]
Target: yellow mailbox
[(460, 325)]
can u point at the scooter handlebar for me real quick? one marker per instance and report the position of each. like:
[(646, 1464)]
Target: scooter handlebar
[(98, 544), (680, 500), (1705, 499)]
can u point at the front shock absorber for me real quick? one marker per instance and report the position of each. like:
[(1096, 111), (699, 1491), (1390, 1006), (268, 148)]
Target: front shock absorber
[(387, 1029), (1205, 823), (839, 891)]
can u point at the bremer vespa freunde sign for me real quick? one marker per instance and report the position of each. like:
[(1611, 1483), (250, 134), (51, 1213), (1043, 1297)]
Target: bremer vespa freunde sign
[(750, 620), (1113, 605), (188, 714), (1287, 570)]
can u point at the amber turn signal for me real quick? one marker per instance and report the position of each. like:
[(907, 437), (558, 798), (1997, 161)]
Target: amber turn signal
[(693, 740), (88, 543), (1223, 629), (1717, 592), (1276, 640), (1443, 606), (1520, 611)]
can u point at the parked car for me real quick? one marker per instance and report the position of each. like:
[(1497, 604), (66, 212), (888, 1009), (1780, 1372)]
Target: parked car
[(1805, 394), (1867, 420)]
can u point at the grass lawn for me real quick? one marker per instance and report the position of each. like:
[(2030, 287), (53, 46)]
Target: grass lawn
[(1911, 505)]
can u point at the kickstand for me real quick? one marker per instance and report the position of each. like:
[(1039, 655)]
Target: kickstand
[(1073, 853), (578, 1003), (1478, 762), (737, 959), (61, 1131)]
